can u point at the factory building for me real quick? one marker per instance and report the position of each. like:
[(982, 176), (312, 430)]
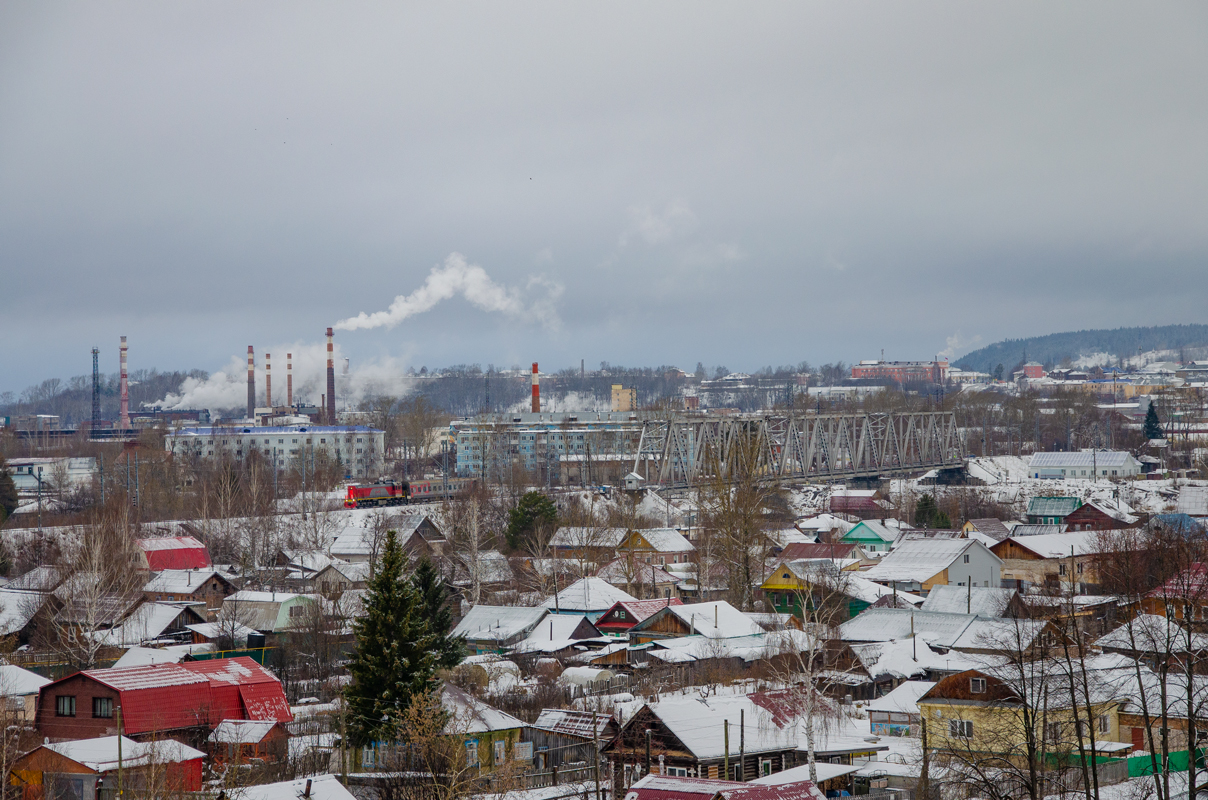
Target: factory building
[(575, 447), (358, 448), (902, 371)]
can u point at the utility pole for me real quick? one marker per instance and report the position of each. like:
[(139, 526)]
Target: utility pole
[(119, 752), (727, 761), (647, 751), (595, 749), (742, 744)]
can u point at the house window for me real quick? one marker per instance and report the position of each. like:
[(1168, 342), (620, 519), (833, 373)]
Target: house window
[(765, 767), (65, 705), (977, 685), (102, 707), (295, 610), (1080, 566), (471, 752), (621, 614), (679, 772), (960, 729), (501, 752), (966, 558), (1061, 569)]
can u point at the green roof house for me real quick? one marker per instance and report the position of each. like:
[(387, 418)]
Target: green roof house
[(875, 536), (1051, 510)]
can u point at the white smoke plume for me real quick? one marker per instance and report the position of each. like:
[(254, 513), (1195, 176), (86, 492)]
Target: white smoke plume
[(458, 277), (227, 388)]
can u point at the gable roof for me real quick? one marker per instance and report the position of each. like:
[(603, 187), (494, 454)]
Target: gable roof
[(101, 754), (699, 723), (904, 699), (174, 552), (716, 619), (498, 623), (982, 600), (322, 787), (871, 528), (578, 537), (990, 526), (468, 714), (587, 594), (621, 571), (919, 559), (557, 632), (241, 731), (16, 681), (638, 610), (1057, 545), (1052, 506), (665, 540), (181, 581), (1100, 458), (797, 550)]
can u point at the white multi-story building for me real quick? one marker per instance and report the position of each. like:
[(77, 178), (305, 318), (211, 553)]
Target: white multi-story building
[(358, 448)]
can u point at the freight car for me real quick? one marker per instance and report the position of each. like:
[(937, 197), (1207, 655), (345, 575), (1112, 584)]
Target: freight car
[(397, 493)]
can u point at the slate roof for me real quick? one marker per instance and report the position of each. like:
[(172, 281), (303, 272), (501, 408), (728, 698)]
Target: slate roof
[(498, 623), (983, 600), (918, 559)]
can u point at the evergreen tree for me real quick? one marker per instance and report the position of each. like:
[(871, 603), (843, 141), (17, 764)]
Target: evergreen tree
[(1153, 426), (8, 491), (533, 510), (396, 655), (928, 515), (434, 597)]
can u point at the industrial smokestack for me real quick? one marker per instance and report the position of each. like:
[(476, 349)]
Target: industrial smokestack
[(268, 379), (124, 418), (331, 380), (536, 391), (289, 379), (251, 383)]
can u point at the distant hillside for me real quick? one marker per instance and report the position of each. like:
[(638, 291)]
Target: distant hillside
[(1051, 349)]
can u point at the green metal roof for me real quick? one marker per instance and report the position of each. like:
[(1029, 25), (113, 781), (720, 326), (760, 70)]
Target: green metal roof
[(1053, 506)]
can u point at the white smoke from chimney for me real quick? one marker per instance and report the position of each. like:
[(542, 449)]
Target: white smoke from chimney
[(227, 388), (458, 277)]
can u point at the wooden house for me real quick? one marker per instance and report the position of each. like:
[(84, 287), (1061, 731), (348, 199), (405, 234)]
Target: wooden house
[(241, 741)]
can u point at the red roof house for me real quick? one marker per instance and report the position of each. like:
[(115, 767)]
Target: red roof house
[(158, 698), (174, 552), (624, 614), (833, 550)]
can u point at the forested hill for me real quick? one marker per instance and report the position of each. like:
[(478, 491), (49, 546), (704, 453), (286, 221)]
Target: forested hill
[(1051, 349)]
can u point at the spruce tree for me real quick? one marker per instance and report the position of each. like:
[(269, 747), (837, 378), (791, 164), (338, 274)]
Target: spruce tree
[(396, 657), (925, 511), (8, 491), (1153, 426), (434, 597), (533, 510)]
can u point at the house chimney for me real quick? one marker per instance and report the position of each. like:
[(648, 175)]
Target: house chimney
[(268, 379), (289, 379), (251, 383), (331, 381), (124, 420), (536, 391)]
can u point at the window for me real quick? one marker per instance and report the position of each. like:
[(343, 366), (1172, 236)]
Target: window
[(471, 752), (1080, 566), (1061, 569), (966, 558), (1105, 724), (501, 752), (65, 705), (620, 614), (765, 767), (960, 729), (977, 685), (1052, 731), (295, 610), (679, 772), (102, 707)]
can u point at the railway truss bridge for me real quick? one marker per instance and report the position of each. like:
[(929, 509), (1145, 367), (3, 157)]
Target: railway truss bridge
[(680, 452)]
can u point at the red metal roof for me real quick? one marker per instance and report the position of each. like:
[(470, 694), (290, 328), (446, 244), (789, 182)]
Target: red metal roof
[(160, 697), (174, 552), (797, 550), (635, 610), (666, 787), (801, 790)]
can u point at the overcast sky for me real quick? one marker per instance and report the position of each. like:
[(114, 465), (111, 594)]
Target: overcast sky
[(640, 183)]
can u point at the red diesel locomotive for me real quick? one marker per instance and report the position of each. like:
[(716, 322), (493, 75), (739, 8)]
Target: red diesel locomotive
[(397, 493)]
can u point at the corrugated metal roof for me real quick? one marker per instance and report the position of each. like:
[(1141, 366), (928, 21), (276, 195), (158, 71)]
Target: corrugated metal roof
[(1053, 506), (174, 552), (918, 559), (666, 787), (1102, 459), (498, 622), (983, 600)]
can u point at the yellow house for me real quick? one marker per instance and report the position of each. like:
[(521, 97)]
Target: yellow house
[(982, 715), (791, 589)]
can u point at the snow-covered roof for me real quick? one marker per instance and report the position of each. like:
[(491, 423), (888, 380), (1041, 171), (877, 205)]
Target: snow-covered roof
[(983, 600), (15, 681), (573, 723), (885, 530), (359, 541), (39, 579), (1103, 459), (17, 608), (587, 594), (1062, 545), (498, 623), (700, 722), (621, 571), (919, 559), (241, 731), (467, 714), (578, 537), (141, 656), (145, 623), (555, 633), (900, 658), (902, 700), (179, 581), (100, 754), (322, 787), (214, 630), (311, 560), (666, 540), (716, 619), (1152, 633), (887, 624), (826, 772)]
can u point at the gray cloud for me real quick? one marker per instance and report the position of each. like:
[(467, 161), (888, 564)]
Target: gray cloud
[(717, 182)]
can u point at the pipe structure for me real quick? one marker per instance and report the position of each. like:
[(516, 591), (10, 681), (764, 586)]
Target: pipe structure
[(289, 379), (251, 383), (331, 381), (124, 419), (536, 391), (268, 379)]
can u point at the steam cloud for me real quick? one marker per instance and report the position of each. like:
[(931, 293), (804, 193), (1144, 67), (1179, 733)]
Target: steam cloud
[(458, 277), (227, 389)]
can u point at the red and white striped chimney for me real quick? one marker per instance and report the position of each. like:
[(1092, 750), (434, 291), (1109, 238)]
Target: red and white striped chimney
[(124, 419), (331, 381), (289, 379), (536, 391), (251, 383), (268, 379)]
